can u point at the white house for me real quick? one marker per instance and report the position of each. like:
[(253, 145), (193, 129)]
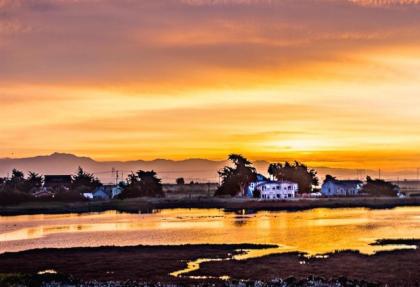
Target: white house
[(336, 187), (276, 190)]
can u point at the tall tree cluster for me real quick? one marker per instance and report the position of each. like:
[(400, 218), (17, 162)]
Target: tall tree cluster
[(237, 177), (18, 183), (379, 187), (84, 182), (141, 184), (297, 172)]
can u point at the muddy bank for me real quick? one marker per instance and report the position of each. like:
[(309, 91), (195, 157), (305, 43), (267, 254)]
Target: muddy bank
[(154, 264), (141, 263), (149, 204), (58, 280), (391, 268)]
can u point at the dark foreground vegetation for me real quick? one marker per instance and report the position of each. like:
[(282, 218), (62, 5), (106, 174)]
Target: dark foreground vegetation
[(129, 266)]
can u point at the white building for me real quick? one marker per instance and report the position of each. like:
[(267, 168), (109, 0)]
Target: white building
[(341, 187), (277, 190)]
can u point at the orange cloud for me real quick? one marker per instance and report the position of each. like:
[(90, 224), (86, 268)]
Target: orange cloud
[(332, 82)]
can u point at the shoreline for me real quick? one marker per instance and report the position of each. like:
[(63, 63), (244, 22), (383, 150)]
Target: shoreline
[(147, 205)]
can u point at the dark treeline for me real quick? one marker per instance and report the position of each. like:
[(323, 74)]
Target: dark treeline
[(379, 187), (235, 178), (19, 188)]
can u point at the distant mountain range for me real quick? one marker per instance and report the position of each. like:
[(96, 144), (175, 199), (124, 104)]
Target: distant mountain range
[(201, 170)]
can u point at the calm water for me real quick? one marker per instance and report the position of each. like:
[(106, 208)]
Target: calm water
[(315, 231)]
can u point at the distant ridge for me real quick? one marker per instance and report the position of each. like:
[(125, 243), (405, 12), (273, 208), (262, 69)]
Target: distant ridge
[(63, 163), (194, 169)]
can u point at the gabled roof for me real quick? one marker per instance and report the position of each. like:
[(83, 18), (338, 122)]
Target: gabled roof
[(261, 177)]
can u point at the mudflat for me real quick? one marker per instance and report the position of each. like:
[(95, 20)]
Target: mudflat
[(155, 263)]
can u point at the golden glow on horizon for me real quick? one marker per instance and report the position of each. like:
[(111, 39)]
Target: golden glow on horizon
[(245, 81)]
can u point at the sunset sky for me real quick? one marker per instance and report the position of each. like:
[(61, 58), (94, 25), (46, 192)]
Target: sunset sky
[(330, 82)]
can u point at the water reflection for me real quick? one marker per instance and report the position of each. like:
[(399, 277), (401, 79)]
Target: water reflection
[(315, 231)]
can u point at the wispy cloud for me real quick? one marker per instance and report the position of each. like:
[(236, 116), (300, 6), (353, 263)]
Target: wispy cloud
[(166, 76)]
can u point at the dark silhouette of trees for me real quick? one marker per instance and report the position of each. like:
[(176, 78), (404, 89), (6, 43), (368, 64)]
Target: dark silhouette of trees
[(35, 179), (17, 189), (329, 177), (256, 193), (84, 182), (18, 183), (296, 172), (141, 184), (180, 181), (378, 187), (32, 183), (235, 179)]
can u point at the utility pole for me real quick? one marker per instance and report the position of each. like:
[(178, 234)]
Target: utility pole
[(112, 174), (379, 173)]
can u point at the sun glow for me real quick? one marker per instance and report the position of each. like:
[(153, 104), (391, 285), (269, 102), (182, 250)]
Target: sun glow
[(317, 88)]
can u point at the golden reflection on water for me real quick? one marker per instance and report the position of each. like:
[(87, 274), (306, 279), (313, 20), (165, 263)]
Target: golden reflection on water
[(314, 231)]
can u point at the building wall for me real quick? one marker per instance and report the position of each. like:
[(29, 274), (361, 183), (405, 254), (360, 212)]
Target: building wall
[(277, 191), (334, 189)]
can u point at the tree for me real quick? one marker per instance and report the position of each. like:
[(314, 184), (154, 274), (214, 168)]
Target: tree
[(329, 177), (378, 187), (257, 193), (15, 183), (143, 183), (235, 179), (17, 179), (16, 188), (32, 183), (84, 182), (180, 181), (296, 172)]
